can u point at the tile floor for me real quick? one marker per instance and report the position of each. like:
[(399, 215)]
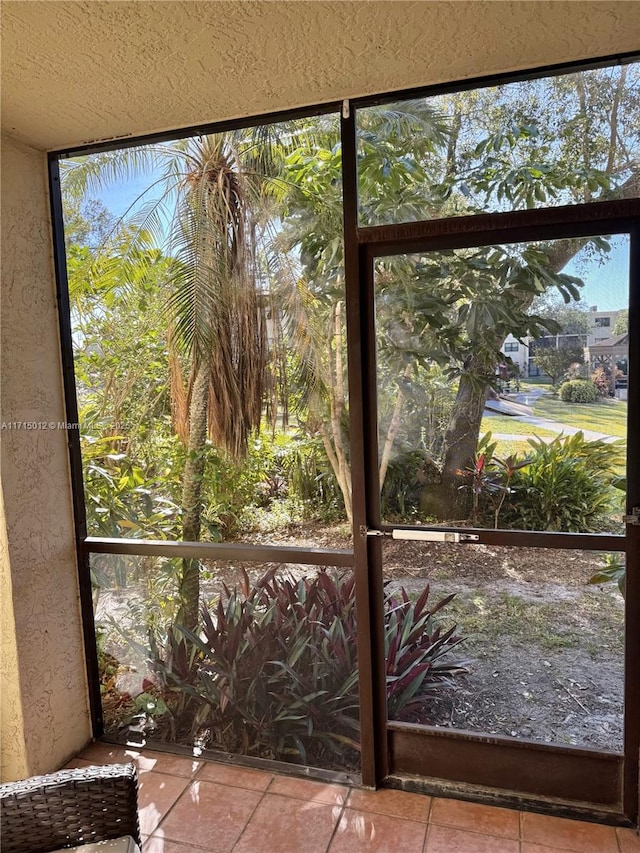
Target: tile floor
[(191, 806)]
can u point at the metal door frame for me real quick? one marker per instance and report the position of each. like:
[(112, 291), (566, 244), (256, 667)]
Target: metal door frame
[(516, 771)]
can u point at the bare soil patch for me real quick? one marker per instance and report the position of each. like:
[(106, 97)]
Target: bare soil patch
[(544, 648)]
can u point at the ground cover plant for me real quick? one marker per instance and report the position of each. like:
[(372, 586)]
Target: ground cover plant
[(273, 673)]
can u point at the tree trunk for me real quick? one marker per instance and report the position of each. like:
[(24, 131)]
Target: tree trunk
[(449, 499), (189, 578), (393, 430)]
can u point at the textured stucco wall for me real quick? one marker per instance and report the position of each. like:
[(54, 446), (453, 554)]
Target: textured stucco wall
[(35, 481), (95, 70), (13, 758)]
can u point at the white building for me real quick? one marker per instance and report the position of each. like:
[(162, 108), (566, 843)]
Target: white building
[(601, 325)]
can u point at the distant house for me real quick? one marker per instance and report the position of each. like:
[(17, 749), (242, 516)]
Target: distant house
[(522, 351), (601, 325), (601, 349)]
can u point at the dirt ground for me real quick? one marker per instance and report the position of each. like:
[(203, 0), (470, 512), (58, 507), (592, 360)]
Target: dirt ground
[(544, 649)]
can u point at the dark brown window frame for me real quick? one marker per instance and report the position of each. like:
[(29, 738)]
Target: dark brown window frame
[(360, 246)]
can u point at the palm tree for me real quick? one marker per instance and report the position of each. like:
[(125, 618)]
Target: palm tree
[(217, 331), (204, 205)]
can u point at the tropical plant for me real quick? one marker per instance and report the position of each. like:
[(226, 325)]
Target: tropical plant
[(566, 485), (274, 671), (212, 191), (417, 653), (507, 469), (480, 476), (613, 571), (409, 472)]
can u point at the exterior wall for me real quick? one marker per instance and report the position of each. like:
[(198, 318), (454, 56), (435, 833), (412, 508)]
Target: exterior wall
[(43, 672), (598, 331), (13, 759), (519, 356)]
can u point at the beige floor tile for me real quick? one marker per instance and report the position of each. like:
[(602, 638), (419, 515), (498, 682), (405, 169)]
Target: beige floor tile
[(158, 844), (157, 792), (394, 803), (209, 815), (629, 840), (574, 835), (289, 825), (504, 823), (365, 832), (448, 839), (306, 789), (236, 777), (145, 760)]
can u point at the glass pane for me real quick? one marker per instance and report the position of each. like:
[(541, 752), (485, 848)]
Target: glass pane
[(537, 649), (502, 385), (209, 337), (538, 143), (270, 672)]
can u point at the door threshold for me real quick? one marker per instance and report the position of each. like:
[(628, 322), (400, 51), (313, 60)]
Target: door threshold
[(554, 807)]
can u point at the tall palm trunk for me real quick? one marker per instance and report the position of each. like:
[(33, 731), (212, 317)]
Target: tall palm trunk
[(189, 578)]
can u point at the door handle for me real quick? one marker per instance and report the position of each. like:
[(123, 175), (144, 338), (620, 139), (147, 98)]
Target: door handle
[(426, 535)]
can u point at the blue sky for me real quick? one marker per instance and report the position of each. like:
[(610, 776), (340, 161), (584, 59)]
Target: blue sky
[(606, 280)]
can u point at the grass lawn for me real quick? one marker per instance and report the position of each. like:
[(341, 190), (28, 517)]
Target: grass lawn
[(506, 448), (608, 416), (505, 424), (544, 622), (535, 382)]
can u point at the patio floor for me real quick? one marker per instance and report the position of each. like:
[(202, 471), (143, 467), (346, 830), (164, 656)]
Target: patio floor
[(188, 806)]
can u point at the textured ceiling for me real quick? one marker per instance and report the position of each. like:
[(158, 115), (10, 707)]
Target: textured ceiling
[(74, 72)]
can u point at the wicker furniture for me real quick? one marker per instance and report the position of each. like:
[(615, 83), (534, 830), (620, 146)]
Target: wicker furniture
[(69, 808)]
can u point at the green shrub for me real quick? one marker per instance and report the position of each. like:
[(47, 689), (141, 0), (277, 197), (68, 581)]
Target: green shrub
[(274, 672), (578, 391), (311, 479), (566, 486), (417, 652)]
